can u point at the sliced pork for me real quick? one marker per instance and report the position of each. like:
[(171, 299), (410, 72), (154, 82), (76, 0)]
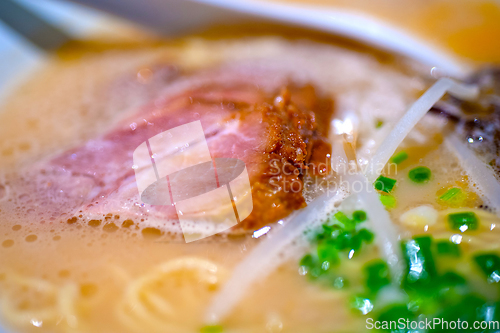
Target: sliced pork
[(276, 128)]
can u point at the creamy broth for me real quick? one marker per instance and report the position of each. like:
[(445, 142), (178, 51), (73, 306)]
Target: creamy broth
[(126, 274)]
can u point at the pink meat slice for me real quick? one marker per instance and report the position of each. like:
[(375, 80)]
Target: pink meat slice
[(235, 107), (105, 163)]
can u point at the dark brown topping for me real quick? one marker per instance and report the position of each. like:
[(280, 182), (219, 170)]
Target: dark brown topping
[(294, 145)]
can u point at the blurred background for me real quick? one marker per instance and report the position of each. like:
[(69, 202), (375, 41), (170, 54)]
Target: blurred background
[(467, 28)]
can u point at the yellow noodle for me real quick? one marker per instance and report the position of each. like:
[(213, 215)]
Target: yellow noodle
[(142, 308), (60, 302), (66, 304)]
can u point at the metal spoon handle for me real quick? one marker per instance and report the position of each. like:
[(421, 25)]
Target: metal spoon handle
[(31, 26)]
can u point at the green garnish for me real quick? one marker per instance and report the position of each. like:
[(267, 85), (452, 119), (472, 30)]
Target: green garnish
[(346, 222), (463, 221), (366, 235), (212, 329), (399, 157), (448, 248), (377, 273), (363, 304), (490, 265), (328, 231), (348, 241), (311, 265), (327, 252), (379, 124), (450, 194), (307, 261), (394, 313), (469, 308), (430, 289), (453, 197), (453, 279), (420, 262), (388, 201), (359, 216), (385, 184), (420, 174), (341, 217), (338, 239)]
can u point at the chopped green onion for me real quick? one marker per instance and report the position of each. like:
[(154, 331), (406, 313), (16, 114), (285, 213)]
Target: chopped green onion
[(342, 218), (344, 240), (377, 275), (362, 304), (385, 184), (468, 308), (355, 244), (420, 174), (212, 329), (453, 197), (463, 221), (366, 235), (448, 248), (347, 222), (450, 194), (394, 313), (328, 252), (420, 262), (399, 157), (310, 266), (490, 265), (359, 216), (307, 261), (425, 244), (453, 279), (328, 231), (388, 201), (338, 237), (379, 124)]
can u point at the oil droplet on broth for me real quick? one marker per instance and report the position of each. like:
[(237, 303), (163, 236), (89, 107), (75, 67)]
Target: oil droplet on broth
[(94, 223), (8, 152), (88, 289), (16, 227), (64, 273), (25, 146), (8, 243), (31, 238), (151, 233), (127, 223), (110, 227)]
